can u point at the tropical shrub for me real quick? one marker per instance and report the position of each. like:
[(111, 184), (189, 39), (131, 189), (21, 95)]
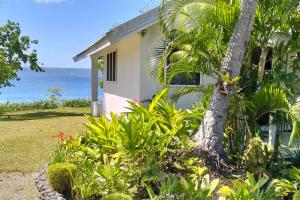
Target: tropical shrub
[(43, 105), (62, 154), (123, 154), (257, 156), (60, 176), (147, 153), (289, 187), (292, 156), (54, 96), (117, 196), (249, 189), (197, 185), (76, 103), (37, 105)]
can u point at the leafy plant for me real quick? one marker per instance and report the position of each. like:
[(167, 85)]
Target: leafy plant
[(60, 176), (288, 188), (43, 105), (249, 189), (292, 156), (196, 186), (54, 96), (125, 152), (117, 196), (76, 103), (257, 156)]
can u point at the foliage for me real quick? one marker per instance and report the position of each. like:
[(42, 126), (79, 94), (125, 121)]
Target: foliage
[(288, 188), (196, 36), (292, 156), (61, 153), (43, 105), (196, 186), (249, 189), (15, 53), (76, 103), (116, 196), (257, 156), (245, 111), (54, 96), (60, 176), (124, 153), (101, 69), (36, 105)]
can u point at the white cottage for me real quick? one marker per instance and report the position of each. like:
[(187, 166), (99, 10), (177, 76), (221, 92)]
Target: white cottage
[(125, 50)]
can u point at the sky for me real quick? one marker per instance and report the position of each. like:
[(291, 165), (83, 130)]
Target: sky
[(64, 28)]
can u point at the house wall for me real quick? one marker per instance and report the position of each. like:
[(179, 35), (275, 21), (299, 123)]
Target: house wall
[(151, 39), (127, 86), (149, 86), (134, 80)]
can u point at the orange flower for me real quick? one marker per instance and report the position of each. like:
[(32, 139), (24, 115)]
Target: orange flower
[(61, 137)]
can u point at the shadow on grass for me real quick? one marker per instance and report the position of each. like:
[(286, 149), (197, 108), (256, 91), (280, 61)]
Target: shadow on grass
[(38, 115)]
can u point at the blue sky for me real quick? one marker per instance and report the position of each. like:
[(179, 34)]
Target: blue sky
[(66, 27)]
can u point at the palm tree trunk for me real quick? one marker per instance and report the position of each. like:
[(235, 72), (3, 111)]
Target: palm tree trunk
[(211, 132), (262, 63)]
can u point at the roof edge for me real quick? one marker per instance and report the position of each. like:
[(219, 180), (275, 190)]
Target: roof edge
[(144, 20)]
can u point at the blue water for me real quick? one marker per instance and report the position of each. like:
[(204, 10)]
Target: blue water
[(33, 86)]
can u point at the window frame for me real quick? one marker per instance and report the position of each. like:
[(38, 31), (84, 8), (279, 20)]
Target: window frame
[(111, 66)]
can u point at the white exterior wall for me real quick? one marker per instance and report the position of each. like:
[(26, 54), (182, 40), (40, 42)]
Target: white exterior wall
[(127, 86), (149, 86), (151, 39), (134, 80)]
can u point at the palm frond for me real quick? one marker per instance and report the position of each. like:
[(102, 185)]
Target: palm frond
[(190, 90), (273, 99)]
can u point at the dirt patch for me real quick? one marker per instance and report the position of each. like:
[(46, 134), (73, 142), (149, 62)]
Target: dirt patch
[(18, 186)]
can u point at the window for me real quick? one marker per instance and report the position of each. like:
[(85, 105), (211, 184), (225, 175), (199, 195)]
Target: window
[(111, 70), (184, 78)]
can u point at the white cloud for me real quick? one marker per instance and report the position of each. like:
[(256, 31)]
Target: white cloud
[(49, 1)]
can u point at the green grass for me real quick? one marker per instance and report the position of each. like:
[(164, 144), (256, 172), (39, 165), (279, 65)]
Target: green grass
[(25, 137)]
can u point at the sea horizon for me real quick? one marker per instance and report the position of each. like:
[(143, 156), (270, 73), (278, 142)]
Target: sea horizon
[(75, 83)]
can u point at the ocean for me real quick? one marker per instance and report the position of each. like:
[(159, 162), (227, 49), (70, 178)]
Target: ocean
[(33, 86)]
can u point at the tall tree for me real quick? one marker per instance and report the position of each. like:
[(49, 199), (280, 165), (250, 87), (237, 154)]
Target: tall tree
[(200, 31), (15, 53), (211, 132)]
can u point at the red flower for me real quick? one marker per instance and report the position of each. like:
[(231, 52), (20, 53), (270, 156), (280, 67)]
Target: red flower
[(61, 137)]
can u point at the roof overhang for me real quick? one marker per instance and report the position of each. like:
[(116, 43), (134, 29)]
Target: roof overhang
[(98, 46), (132, 26)]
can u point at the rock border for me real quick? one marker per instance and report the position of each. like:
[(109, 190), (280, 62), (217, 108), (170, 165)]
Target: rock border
[(43, 187)]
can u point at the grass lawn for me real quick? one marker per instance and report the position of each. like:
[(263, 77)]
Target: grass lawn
[(25, 137)]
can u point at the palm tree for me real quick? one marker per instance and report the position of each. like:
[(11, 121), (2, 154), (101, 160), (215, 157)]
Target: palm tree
[(210, 134), (200, 32)]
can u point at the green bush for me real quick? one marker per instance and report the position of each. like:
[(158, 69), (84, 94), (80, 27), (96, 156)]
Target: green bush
[(77, 103), (250, 189), (37, 105), (147, 154), (290, 186), (138, 148), (43, 105), (257, 156), (117, 196), (197, 185), (60, 176)]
